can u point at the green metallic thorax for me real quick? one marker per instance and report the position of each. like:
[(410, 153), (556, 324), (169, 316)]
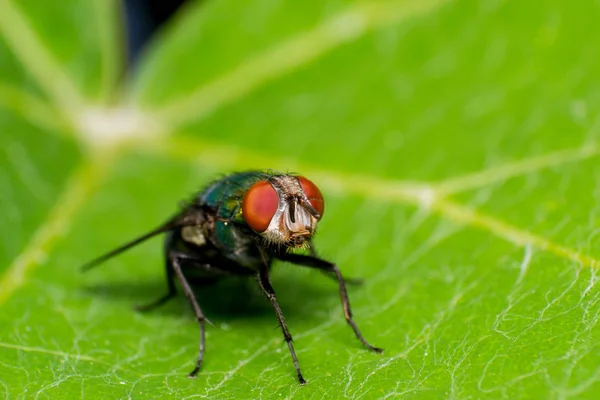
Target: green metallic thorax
[(225, 196)]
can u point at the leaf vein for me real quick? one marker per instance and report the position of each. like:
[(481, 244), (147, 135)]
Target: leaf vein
[(289, 55), (36, 58), (77, 190)]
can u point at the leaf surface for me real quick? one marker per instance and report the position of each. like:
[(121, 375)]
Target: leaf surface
[(456, 143)]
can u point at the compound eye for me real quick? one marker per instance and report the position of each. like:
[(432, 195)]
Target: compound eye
[(260, 205), (313, 194)]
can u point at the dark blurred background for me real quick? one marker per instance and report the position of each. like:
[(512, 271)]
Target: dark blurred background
[(143, 18)]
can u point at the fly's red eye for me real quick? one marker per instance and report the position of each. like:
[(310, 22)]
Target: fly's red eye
[(260, 205), (313, 194)]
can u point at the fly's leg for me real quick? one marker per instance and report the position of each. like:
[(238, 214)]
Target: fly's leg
[(315, 262), (175, 259), (265, 284), (172, 291), (347, 281), (350, 281)]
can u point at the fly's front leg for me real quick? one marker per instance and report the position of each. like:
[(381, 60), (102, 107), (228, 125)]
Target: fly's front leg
[(265, 284), (330, 274), (315, 262), (175, 259)]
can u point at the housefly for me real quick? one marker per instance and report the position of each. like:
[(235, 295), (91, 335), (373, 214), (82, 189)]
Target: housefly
[(237, 226)]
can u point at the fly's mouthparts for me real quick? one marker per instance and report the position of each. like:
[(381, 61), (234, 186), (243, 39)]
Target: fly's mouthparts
[(300, 237)]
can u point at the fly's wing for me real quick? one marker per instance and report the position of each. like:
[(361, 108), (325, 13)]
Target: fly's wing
[(189, 217)]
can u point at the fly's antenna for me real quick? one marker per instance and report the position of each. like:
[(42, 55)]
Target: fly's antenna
[(168, 226), (308, 207)]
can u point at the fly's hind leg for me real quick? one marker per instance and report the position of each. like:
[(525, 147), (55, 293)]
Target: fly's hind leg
[(171, 293), (174, 263), (175, 259)]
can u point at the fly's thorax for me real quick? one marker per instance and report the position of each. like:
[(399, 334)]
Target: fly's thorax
[(214, 233), (284, 210)]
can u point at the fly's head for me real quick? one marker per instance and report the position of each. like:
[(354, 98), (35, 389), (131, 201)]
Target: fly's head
[(284, 210)]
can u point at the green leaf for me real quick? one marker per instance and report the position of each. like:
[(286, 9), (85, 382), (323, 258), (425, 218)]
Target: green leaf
[(456, 143)]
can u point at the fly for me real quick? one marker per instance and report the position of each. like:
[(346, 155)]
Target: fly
[(237, 226)]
